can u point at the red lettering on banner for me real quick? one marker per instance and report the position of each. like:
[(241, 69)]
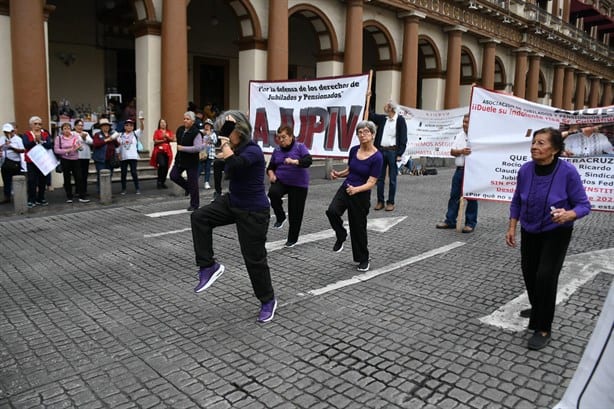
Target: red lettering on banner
[(261, 127), (313, 120), (337, 126)]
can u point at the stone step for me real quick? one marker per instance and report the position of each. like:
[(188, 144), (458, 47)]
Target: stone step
[(144, 170)]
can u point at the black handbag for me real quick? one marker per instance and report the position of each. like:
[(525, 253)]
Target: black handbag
[(58, 168), (114, 162)]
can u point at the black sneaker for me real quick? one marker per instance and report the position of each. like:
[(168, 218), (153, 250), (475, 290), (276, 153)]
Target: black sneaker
[(538, 340), (84, 200), (279, 224), (42, 203), (338, 246), (290, 244), (363, 266), (68, 200)]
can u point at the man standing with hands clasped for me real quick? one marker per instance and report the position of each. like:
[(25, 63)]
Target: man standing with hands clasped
[(390, 140), (460, 149)]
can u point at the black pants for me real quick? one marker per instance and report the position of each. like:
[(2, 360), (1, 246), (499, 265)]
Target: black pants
[(72, 169), (84, 165), (218, 172), (296, 206), (37, 183), (252, 228), (10, 168), (162, 161), (542, 257), (358, 209)]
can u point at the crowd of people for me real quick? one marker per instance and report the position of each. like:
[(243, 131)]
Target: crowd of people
[(549, 195)]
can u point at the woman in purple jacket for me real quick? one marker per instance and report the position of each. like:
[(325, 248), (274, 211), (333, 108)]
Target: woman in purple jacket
[(288, 174), (245, 205), (549, 196)]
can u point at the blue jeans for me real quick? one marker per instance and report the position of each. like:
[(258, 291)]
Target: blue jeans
[(471, 212), (390, 161)]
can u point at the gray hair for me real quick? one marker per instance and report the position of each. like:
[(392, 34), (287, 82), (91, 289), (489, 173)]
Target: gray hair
[(34, 119), (190, 114), (366, 124), (393, 105), (242, 123)]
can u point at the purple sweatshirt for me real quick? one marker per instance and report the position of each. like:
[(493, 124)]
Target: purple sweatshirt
[(245, 169), (535, 194)]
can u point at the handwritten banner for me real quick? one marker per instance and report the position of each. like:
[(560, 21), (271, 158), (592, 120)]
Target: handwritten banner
[(500, 133)]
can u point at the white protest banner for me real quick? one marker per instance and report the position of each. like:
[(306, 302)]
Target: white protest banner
[(323, 112), (431, 133), (500, 133), (44, 160)]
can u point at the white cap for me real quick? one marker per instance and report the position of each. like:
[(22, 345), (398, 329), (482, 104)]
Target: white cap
[(7, 127)]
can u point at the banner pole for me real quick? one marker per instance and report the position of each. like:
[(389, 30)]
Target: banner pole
[(368, 101)]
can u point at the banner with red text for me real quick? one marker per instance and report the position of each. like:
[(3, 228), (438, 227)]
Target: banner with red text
[(500, 133), (323, 112)]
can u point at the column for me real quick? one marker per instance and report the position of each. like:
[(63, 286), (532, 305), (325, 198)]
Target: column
[(147, 50), (520, 73), (580, 90), (557, 85), (453, 66), (277, 46), (488, 62), (533, 77), (566, 10), (29, 56), (606, 100), (593, 96), (253, 63), (352, 58), (409, 66), (568, 88), (174, 70)]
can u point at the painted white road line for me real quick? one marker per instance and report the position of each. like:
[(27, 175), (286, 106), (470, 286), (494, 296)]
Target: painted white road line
[(383, 270), (167, 213), (303, 239), (379, 225), (166, 233), (577, 270)]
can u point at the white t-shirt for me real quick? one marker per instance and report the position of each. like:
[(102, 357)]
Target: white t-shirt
[(127, 144)]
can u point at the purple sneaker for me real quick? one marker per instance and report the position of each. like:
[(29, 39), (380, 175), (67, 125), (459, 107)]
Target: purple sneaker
[(208, 275), (267, 311)]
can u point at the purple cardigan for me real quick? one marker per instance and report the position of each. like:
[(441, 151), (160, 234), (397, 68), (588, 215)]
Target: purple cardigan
[(535, 194)]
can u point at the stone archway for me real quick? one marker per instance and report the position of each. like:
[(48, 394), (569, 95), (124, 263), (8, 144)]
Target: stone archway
[(325, 45)]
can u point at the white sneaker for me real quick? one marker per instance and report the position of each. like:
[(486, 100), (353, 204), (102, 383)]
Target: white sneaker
[(207, 185)]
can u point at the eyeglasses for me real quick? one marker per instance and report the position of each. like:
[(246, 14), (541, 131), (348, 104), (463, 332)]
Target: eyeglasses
[(37, 123), (283, 136)]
